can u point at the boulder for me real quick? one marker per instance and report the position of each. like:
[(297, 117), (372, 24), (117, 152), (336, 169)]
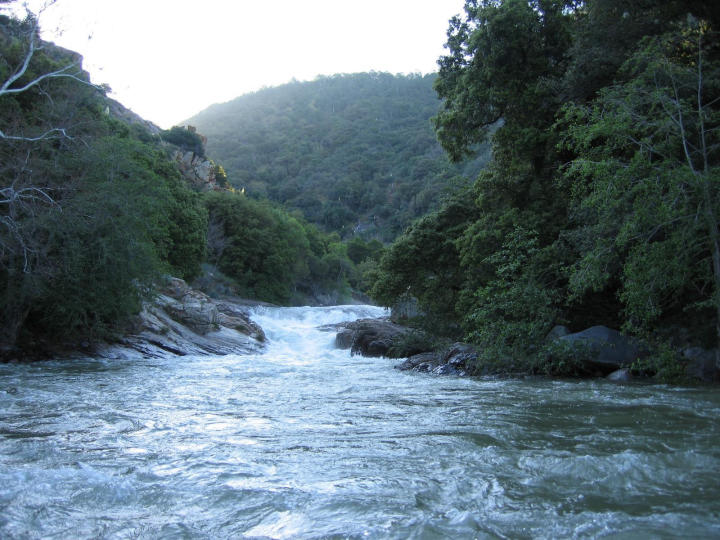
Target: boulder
[(604, 349), (702, 364), (242, 325), (429, 360), (460, 356), (344, 338), (370, 337)]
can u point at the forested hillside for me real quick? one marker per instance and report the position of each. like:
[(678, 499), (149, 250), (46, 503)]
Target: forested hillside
[(601, 203), (354, 153), (94, 210)]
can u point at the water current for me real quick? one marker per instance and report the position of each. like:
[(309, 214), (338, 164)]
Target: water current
[(305, 441)]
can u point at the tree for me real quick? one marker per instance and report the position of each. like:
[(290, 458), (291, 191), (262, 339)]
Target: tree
[(27, 65), (22, 40), (647, 180)]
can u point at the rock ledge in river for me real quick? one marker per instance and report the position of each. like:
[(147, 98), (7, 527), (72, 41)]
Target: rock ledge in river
[(369, 337), (182, 321)]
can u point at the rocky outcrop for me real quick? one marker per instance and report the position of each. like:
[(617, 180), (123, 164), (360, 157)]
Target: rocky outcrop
[(603, 349), (182, 321), (197, 170), (118, 110)]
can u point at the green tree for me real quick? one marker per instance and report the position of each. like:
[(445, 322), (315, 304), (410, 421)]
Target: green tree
[(647, 182)]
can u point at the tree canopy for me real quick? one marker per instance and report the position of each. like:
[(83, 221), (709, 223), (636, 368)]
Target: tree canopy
[(356, 154), (600, 203)]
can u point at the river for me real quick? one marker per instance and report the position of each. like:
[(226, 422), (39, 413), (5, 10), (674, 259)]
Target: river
[(305, 441)]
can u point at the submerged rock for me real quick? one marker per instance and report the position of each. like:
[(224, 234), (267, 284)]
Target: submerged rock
[(620, 376)]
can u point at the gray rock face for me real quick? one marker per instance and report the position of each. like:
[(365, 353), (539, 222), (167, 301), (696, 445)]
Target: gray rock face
[(605, 349), (199, 171), (557, 332), (187, 322), (194, 310)]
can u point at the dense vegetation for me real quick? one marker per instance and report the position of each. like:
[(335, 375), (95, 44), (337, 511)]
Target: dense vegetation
[(93, 211), (278, 257), (354, 153), (600, 204)]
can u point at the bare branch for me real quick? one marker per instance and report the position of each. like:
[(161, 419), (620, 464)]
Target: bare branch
[(55, 133)]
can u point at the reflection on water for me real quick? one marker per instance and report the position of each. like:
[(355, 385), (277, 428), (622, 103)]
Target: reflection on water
[(306, 441)]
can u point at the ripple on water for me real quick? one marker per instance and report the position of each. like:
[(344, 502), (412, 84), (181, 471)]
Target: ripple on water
[(307, 441)]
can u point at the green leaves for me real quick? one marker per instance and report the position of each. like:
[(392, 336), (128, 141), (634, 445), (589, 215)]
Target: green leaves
[(643, 179)]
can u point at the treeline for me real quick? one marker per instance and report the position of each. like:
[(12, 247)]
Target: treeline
[(356, 154), (279, 257), (93, 211), (601, 202)]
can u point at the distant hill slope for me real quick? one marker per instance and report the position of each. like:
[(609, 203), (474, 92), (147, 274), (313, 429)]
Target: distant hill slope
[(355, 153)]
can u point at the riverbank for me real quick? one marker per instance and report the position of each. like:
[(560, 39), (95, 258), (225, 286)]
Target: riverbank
[(177, 321), (597, 352)]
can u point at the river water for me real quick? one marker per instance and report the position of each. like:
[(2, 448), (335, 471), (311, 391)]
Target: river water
[(305, 441)]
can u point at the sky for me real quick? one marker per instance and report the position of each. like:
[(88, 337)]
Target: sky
[(169, 59)]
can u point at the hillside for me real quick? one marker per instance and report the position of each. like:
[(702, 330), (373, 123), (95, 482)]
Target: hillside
[(97, 205), (355, 153)]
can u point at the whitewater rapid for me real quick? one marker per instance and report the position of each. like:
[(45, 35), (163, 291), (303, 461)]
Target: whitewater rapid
[(306, 441)]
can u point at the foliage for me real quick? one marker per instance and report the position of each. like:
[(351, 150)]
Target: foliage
[(185, 138), (415, 342), (92, 212), (275, 256), (424, 263), (664, 364), (646, 179), (600, 211), (355, 153)]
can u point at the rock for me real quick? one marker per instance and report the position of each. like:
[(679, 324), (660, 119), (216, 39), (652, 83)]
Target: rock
[(432, 359), (557, 332), (344, 338), (447, 369), (620, 375), (460, 356), (175, 287), (702, 364), (453, 361), (197, 170), (242, 325), (371, 337), (604, 349), (183, 321), (194, 310)]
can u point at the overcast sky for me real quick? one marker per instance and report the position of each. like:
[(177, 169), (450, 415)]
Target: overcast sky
[(168, 59)]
